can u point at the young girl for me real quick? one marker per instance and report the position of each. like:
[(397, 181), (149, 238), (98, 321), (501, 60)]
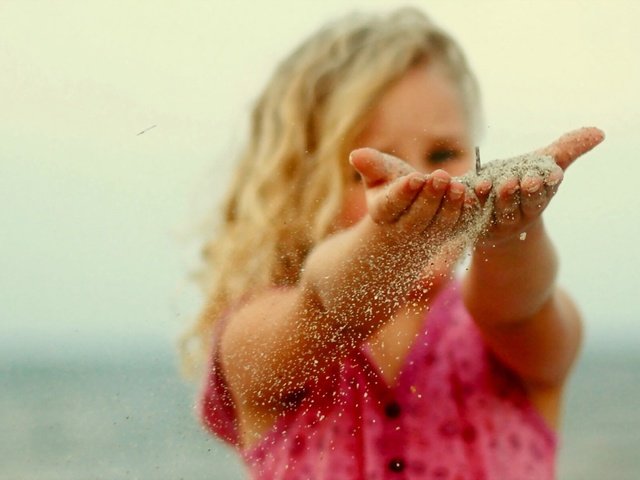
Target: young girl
[(340, 346)]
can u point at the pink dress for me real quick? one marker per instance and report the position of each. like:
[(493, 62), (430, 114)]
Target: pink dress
[(455, 412)]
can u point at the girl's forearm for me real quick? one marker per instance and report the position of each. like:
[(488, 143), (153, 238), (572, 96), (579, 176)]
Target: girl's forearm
[(511, 281), (360, 276), (279, 343)]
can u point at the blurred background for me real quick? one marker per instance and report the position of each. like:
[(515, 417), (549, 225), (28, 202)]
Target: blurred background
[(118, 126)]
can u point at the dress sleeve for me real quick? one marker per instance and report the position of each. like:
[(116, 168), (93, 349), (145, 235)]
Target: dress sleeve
[(216, 408)]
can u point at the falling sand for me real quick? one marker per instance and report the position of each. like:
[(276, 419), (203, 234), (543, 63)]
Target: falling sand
[(475, 222)]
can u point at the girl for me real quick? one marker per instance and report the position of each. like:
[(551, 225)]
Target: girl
[(340, 346)]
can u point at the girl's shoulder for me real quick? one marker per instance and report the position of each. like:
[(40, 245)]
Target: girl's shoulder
[(268, 300), (247, 331)]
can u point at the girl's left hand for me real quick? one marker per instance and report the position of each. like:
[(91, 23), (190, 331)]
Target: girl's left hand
[(519, 202)]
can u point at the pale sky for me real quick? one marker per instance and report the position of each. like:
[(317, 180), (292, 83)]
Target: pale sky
[(95, 245)]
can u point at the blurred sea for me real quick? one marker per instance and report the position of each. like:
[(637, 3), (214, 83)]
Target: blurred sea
[(132, 418)]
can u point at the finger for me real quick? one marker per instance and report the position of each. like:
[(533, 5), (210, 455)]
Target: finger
[(482, 190), (553, 181), (507, 203), (533, 196), (450, 209), (537, 192), (555, 177), (572, 145), (427, 203), (397, 198), (376, 167)]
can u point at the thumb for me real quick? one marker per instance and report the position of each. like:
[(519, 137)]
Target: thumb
[(376, 167), (566, 149)]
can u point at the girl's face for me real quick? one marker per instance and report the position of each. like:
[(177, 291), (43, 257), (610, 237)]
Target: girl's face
[(421, 120)]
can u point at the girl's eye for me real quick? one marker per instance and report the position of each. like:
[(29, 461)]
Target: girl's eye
[(441, 155)]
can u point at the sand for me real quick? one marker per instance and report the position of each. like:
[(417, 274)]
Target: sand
[(478, 220)]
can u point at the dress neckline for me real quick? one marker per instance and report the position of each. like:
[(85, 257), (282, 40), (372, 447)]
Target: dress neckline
[(433, 321)]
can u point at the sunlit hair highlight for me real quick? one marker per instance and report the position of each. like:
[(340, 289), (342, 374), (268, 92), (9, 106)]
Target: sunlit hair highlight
[(289, 184)]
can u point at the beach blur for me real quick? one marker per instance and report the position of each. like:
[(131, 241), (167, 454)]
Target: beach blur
[(132, 418)]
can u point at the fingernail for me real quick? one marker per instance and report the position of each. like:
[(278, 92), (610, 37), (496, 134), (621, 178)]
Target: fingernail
[(455, 192), (353, 154), (415, 183), (512, 190), (483, 187), (552, 181), (439, 183), (532, 186)]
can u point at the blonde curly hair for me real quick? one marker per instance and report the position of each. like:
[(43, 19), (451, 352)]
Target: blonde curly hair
[(289, 184)]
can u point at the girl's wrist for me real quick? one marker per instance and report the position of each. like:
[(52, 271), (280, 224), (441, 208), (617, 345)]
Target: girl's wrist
[(533, 232)]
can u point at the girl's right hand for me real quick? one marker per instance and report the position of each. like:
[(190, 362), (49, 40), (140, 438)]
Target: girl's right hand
[(411, 203)]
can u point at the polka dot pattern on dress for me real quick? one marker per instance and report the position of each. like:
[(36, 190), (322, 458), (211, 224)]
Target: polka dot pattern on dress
[(455, 413)]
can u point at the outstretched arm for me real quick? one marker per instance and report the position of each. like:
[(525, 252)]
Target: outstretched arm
[(282, 339), (377, 262), (511, 289)]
